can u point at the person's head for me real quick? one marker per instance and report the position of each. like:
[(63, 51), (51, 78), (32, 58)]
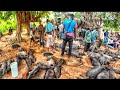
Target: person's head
[(87, 28), (96, 28), (59, 19), (31, 29), (47, 20), (91, 28), (71, 16), (52, 21)]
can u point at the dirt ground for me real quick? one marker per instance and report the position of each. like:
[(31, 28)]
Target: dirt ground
[(72, 69)]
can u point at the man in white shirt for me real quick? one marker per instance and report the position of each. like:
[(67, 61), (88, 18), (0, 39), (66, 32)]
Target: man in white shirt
[(110, 41), (60, 30)]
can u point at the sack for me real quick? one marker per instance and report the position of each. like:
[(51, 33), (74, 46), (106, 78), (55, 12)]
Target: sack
[(63, 35)]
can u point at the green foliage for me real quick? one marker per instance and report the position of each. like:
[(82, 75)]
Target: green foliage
[(7, 20), (111, 20), (77, 14), (5, 25), (41, 14)]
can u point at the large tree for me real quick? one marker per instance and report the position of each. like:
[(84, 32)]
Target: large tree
[(25, 17), (19, 26)]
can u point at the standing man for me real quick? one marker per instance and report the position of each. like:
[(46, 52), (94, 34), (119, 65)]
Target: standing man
[(94, 38), (69, 26), (60, 31), (58, 23), (49, 34), (41, 33), (106, 33), (88, 36)]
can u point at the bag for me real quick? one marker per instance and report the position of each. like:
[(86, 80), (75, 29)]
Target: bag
[(64, 34)]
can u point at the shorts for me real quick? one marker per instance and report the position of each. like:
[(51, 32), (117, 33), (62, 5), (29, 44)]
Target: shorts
[(49, 40)]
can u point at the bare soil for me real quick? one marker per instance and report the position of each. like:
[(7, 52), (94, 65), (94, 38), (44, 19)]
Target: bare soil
[(72, 69)]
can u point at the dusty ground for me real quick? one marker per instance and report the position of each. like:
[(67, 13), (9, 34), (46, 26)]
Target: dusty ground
[(71, 69)]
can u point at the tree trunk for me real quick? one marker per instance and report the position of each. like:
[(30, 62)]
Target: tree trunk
[(27, 21), (28, 27), (19, 27)]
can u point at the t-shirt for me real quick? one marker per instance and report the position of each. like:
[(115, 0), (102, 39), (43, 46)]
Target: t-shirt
[(83, 31), (88, 35), (49, 27), (110, 41), (106, 34), (94, 35), (31, 25), (60, 28), (69, 29), (105, 39)]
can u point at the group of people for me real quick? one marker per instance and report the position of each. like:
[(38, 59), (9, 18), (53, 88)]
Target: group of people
[(111, 39), (93, 39), (55, 31), (90, 35)]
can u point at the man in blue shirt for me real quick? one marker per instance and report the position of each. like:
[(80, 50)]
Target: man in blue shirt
[(69, 27), (49, 32), (94, 38), (106, 33), (94, 35)]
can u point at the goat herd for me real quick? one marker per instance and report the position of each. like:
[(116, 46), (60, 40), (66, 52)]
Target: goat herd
[(100, 60), (53, 69)]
